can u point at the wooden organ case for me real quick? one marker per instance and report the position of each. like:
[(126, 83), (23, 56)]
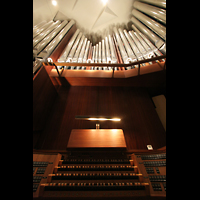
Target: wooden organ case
[(100, 175)]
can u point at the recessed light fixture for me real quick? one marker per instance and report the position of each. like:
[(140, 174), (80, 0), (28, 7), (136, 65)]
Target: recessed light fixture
[(97, 118), (104, 2), (54, 2)]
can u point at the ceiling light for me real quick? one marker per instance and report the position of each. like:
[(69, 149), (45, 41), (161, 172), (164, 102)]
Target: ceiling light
[(104, 2), (54, 2)]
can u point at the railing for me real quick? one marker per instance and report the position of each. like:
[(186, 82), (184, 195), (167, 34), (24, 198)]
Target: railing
[(55, 64)]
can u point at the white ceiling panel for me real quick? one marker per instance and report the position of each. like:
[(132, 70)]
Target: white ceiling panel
[(91, 16)]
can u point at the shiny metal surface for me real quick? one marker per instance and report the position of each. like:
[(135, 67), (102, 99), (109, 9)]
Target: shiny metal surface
[(40, 46), (155, 12), (159, 3), (152, 24)]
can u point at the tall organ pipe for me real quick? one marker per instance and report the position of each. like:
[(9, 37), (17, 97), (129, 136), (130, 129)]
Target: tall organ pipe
[(93, 54), (40, 46), (139, 46), (86, 52), (96, 53), (38, 25), (103, 52), (67, 49), (121, 47), (134, 46), (113, 54), (75, 58), (159, 3), (152, 24), (155, 12), (107, 51), (71, 53), (155, 50), (80, 59), (127, 46), (149, 51), (99, 53), (38, 38), (51, 46), (39, 30), (152, 36)]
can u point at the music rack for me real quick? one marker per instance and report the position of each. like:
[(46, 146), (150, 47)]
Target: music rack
[(97, 176)]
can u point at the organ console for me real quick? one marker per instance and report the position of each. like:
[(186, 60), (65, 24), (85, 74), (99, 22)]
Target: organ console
[(103, 174)]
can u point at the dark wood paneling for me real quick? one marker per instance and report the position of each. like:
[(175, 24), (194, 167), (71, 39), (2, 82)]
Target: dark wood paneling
[(44, 95), (139, 120)]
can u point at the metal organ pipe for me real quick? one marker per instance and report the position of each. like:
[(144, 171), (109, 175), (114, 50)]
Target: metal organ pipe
[(152, 36), (75, 58), (39, 30), (155, 12), (41, 45), (103, 52), (38, 38), (159, 3), (93, 53), (149, 52), (121, 47), (152, 47), (96, 53), (107, 51), (37, 26), (86, 52), (134, 46), (80, 59), (152, 24), (71, 53), (113, 54), (127, 47), (67, 49), (51, 46), (99, 53)]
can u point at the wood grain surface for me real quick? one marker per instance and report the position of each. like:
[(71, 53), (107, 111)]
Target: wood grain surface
[(96, 138)]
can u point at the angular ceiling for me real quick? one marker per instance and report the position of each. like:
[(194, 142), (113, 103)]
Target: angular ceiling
[(91, 16)]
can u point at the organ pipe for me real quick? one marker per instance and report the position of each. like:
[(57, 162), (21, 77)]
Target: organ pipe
[(86, 52), (38, 38), (75, 58), (66, 51), (51, 46), (155, 12), (42, 44), (42, 28), (154, 49), (103, 52), (149, 52), (80, 58), (93, 54), (151, 35), (127, 46), (108, 58), (152, 24), (113, 54), (71, 53), (121, 47), (99, 52), (96, 53), (159, 3), (133, 45), (37, 26)]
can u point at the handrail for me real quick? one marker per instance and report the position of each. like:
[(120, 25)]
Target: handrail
[(103, 64)]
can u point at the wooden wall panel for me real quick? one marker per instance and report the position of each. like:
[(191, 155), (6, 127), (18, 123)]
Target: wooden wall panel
[(139, 120)]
